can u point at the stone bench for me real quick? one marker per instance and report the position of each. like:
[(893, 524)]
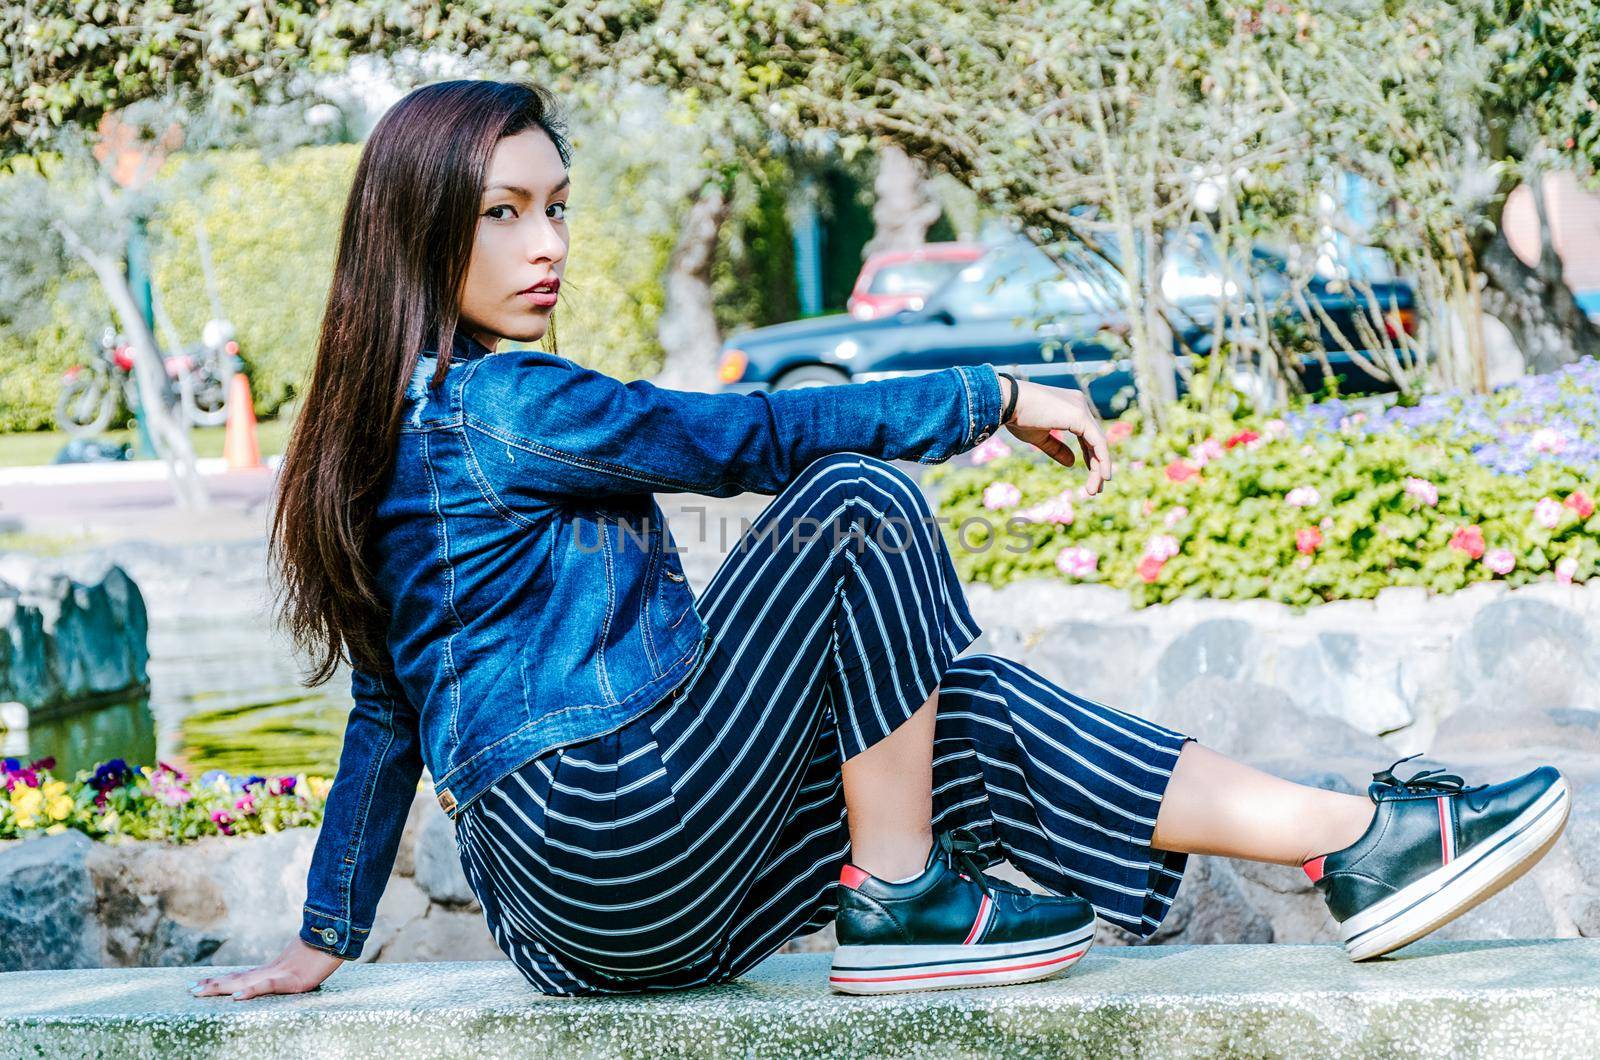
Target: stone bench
[(1504, 998)]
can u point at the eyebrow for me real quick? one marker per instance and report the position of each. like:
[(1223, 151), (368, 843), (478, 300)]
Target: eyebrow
[(524, 192)]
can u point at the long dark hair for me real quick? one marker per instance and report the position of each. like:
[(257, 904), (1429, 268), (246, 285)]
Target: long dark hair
[(404, 246)]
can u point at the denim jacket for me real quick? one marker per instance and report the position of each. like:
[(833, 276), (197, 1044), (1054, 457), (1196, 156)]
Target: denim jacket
[(536, 593)]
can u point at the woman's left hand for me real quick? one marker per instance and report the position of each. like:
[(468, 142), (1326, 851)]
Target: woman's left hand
[(297, 969)]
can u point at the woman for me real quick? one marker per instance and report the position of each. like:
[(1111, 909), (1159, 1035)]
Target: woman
[(653, 791)]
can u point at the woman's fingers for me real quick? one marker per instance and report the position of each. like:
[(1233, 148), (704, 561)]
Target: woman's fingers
[(243, 985)]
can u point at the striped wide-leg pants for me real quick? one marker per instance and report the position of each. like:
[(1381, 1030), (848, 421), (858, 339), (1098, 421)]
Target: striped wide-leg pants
[(689, 844)]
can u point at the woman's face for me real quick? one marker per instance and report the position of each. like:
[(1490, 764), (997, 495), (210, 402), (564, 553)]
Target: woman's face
[(521, 242)]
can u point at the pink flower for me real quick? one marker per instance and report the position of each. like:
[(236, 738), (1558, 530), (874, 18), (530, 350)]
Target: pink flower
[(1001, 495), (1181, 471), (993, 449), (1162, 547), (1205, 452), (1579, 502), (1149, 505), (1547, 513), (1119, 431), (1422, 490), (1468, 539), (1276, 428), (1547, 440), (1308, 540), (172, 795), (1566, 568), (1500, 560), (1057, 509), (1175, 516), (1150, 568), (223, 820), (1077, 562), (245, 804), (1137, 465), (1303, 497)]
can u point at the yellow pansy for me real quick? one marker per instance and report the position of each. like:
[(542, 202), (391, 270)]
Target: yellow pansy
[(57, 803), (25, 803)]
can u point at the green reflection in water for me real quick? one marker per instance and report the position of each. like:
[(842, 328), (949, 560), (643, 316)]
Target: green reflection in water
[(83, 738), (298, 734)]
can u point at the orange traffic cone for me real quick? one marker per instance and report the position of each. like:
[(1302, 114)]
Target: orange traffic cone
[(240, 448)]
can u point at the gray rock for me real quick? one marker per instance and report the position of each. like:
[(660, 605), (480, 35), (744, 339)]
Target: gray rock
[(1251, 721), (1091, 659), (1337, 674), (438, 861), (444, 935), (70, 630), (1528, 654), (47, 904), (1480, 729), (1218, 647)]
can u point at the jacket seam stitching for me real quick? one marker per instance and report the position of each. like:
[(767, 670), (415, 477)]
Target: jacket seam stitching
[(369, 787), (590, 463), (448, 650), (606, 690), (481, 480), (646, 597)]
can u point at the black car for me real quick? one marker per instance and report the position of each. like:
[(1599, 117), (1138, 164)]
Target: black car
[(987, 313)]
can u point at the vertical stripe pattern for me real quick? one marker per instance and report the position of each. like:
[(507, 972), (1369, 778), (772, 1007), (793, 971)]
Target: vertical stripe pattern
[(690, 843)]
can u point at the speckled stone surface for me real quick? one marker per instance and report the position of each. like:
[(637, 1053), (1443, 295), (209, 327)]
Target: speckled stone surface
[(1505, 998)]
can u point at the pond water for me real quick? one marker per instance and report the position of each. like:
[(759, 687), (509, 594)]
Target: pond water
[(225, 689)]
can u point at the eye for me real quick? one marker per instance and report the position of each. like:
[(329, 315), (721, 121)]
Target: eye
[(562, 207), (490, 212)]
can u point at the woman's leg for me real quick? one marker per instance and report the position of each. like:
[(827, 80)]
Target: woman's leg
[(1216, 805), (1213, 805), (888, 792)]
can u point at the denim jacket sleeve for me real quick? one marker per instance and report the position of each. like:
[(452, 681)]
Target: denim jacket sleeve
[(586, 433), (366, 810)]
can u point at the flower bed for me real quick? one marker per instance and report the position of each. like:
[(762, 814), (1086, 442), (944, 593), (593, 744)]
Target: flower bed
[(1335, 501), (159, 802)]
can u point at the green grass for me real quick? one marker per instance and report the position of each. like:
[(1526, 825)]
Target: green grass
[(40, 447)]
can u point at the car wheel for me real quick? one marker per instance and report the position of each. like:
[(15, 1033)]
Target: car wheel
[(810, 375)]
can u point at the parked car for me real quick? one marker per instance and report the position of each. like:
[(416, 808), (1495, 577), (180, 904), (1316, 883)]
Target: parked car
[(987, 312), (893, 280)]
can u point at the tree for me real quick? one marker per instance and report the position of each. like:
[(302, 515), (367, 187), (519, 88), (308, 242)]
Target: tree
[(82, 203), (1071, 117)]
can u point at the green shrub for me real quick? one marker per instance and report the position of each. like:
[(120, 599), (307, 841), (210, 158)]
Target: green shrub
[(1309, 508)]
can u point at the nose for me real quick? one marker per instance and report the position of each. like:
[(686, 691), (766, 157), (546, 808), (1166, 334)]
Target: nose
[(547, 241)]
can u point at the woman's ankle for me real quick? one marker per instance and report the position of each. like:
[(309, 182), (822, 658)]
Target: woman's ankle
[(1341, 826), (893, 858)]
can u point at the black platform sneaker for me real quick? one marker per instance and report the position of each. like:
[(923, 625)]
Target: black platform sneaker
[(1436, 847), (952, 927)]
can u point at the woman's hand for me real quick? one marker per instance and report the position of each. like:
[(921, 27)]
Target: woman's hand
[(1042, 409), (294, 971)]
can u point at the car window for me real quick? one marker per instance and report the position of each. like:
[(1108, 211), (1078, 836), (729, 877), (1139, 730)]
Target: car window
[(912, 277), (1025, 282)]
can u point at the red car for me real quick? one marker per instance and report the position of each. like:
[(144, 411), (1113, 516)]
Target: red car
[(899, 279)]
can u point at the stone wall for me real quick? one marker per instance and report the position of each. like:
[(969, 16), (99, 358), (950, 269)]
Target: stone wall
[(67, 901), (1395, 666), (69, 630)]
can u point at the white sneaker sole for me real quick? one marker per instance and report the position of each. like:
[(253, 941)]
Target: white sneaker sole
[(899, 969), (1450, 890)]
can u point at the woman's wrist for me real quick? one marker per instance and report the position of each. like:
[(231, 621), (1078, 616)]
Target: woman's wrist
[(1009, 388)]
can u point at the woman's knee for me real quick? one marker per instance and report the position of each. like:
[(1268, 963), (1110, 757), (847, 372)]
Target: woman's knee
[(878, 484)]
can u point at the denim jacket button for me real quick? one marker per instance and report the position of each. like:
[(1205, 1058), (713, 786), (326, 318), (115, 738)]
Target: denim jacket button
[(674, 575), (330, 936), (983, 435)]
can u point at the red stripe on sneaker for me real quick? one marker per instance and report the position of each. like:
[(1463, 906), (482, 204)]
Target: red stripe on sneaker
[(977, 922), (1447, 840), (852, 877), (964, 971), (1314, 867)]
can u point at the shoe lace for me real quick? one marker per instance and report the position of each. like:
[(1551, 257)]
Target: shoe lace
[(1428, 780), (961, 850)]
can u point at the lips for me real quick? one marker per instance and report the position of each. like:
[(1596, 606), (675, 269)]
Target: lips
[(541, 293)]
